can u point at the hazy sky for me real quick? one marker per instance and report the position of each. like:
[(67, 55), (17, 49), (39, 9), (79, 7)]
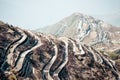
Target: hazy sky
[(32, 14)]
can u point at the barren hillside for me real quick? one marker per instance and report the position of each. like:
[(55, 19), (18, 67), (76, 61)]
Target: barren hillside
[(27, 55)]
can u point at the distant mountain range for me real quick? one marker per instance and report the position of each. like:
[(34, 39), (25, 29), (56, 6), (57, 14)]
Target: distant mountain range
[(83, 28)]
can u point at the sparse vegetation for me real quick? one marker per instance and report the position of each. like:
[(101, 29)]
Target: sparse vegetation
[(113, 56)]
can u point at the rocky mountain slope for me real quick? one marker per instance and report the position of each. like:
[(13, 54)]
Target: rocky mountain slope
[(86, 29), (27, 55)]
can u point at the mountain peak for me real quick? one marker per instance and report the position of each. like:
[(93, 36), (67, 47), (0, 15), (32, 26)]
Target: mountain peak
[(85, 29), (77, 14), (81, 15)]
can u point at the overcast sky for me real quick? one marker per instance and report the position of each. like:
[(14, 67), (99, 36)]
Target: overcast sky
[(32, 14)]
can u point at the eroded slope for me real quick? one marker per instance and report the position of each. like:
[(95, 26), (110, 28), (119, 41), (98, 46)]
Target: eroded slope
[(26, 55)]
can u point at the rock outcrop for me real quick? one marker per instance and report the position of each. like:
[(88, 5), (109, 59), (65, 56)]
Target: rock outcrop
[(27, 55)]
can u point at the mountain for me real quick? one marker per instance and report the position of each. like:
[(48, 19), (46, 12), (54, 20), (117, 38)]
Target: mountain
[(88, 30), (27, 55)]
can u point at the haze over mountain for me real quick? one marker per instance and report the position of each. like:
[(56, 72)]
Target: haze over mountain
[(113, 18), (84, 28)]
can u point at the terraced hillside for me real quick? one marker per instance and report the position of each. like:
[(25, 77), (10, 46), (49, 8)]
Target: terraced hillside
[(27, 55)]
